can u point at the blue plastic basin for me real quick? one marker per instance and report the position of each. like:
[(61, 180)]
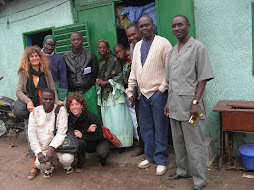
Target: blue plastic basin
[(247, 154)]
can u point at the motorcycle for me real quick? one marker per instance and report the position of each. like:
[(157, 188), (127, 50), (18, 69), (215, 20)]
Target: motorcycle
[(8, 121)]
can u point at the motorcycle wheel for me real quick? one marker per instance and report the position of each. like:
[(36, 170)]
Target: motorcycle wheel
[(4, 130)]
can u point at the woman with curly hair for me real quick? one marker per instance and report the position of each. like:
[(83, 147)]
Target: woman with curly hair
[(34, 76), (110, 90), (87, 129)]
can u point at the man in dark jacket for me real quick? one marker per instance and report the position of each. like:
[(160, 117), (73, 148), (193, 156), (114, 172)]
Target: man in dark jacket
[(82, 71)]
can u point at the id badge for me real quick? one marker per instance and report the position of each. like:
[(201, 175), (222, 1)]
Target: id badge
[(87, 70)]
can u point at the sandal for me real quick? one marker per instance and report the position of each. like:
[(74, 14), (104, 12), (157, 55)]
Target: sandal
[(48, 172), (33, 173), (68, 171)]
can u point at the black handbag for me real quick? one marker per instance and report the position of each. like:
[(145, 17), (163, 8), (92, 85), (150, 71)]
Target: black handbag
[(20, 109), (70, 143)]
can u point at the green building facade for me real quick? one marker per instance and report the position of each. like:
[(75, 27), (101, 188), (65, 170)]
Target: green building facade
[(224, 27)]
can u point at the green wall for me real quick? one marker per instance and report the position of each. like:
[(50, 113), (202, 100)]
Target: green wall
[(37, 14), (225, 28)]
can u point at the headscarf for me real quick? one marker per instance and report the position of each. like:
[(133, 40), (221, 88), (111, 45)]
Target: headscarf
[(49, 37), (45, 39)]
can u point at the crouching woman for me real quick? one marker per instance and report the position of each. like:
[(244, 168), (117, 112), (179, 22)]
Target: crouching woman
[(87, 129)]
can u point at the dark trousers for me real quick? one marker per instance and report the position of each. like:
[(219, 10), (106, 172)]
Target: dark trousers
[(102, 149), (154, 127), (141, 141)]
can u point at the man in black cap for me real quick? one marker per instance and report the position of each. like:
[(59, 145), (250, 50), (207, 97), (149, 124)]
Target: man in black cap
[(57, 66)]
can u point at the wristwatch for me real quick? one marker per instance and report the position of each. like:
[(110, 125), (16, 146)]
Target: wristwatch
[(194, 102)]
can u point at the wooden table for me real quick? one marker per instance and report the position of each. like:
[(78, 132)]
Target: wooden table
[(235, 116)]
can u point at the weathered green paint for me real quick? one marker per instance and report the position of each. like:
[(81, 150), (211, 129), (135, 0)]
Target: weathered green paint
[(225, 28), (98, 9), (166, 10), (252, 10), (98, 28), (79, 3), (37, 15)]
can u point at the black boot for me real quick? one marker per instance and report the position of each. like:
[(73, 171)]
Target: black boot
[(81, 161), (103, 161)]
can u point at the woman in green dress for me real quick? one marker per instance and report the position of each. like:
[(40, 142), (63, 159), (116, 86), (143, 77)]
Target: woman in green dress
[(110, 90)]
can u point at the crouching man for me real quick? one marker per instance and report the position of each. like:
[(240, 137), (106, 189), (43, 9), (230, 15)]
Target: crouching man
[(41, 134)]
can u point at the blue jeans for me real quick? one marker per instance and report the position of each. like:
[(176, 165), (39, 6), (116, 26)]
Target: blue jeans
[(154, 127)]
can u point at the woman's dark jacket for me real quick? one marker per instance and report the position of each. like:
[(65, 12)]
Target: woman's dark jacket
[(83, 122)]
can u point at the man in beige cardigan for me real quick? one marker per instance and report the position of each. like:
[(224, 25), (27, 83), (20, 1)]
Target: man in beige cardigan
[(148, 72)]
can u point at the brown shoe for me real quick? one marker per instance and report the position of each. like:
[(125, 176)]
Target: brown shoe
[(138, 152), (135, 141), (78, 170)]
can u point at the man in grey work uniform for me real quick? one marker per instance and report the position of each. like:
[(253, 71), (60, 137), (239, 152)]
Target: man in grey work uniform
[(188, 71)]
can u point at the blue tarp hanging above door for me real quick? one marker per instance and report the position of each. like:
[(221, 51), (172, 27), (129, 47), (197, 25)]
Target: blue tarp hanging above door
[(134, 13)]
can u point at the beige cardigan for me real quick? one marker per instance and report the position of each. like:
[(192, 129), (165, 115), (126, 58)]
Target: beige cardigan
[(150, 77), (21, 91)]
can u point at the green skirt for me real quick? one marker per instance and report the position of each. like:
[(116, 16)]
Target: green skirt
[(118, 120)]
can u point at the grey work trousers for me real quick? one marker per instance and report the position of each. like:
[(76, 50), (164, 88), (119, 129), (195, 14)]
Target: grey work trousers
[(189, 145)]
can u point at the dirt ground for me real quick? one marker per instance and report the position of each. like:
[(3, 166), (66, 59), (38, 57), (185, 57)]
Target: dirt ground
[(120, 173)]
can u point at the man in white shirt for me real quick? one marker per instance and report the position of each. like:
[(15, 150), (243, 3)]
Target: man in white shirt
[(41, 135)]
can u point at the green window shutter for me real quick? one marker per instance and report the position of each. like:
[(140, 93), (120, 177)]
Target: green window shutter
[(62, 36)]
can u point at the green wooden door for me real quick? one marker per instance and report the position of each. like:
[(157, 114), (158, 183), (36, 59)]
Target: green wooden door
[(166, 10), (101, 24)]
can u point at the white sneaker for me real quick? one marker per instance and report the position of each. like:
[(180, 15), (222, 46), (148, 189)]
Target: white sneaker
[(48, 172), (144, 164), (68, 170), (160, 170)]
